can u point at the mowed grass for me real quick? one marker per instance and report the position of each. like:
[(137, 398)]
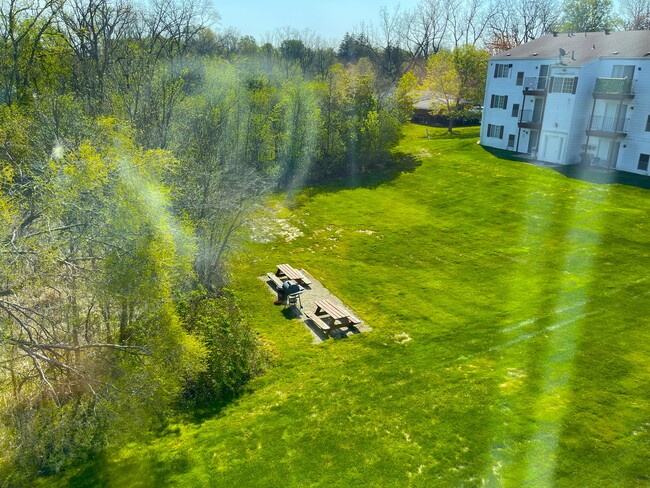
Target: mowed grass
[(510, 342)]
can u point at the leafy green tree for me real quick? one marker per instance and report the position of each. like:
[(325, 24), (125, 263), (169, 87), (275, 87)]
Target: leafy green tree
[(471, 66), (444, 84), (405, 96), (588, 15), (456, 82), (89, 258)]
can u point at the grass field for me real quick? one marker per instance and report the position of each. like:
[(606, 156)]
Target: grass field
[(510, 343)]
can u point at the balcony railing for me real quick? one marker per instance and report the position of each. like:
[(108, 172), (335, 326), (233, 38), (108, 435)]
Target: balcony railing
[(535, 82), (529, 116), (613, 86), (609, 124)]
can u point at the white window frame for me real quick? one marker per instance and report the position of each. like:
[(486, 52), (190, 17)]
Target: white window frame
[(563, 84), (495, 131), (500, 101), (502, 70)]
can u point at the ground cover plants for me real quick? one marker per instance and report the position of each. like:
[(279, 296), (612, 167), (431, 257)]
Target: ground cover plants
[(509, 346)]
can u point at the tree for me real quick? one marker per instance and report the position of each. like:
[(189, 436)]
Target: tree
[(519, 21), (469, 21), (471, 66), (405, 96), (89, 256), (636, 14), (23, 25), (588, 15), (456, 81), (354, 47), (444, 84)]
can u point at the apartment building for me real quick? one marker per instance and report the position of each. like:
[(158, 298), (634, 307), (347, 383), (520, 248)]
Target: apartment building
[(572, 98)]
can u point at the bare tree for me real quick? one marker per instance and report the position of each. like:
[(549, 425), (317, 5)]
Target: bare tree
[(519, 21), (469, 21), (424, 28), (636, 14), (95, 30)]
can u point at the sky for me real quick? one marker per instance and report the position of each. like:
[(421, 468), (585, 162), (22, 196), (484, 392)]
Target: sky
[(329, 19)]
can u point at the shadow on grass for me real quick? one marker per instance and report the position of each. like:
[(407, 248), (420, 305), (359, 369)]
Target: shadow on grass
[(399, 164), (90, 474), (580, 171), (200, 412), (134, 471), (458, 133), (603, 176), (503, 154)]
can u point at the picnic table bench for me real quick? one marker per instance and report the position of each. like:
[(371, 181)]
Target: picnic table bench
[(277, 281), (340, 317), (288, 271), (317, 321)]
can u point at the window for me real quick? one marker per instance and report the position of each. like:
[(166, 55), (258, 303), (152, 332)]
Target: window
[(511, 140), (520, 78), (623, 71), (647, 124), (515, 110), (562, 84), (502, 70), (643, 162), (495, 131), (499, 101)]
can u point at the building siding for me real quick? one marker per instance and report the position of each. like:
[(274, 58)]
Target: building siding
[(563, 136)]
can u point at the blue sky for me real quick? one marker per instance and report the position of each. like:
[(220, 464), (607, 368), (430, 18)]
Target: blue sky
[(331, 19)]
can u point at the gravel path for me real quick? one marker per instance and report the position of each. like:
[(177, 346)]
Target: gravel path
[(316, 291)]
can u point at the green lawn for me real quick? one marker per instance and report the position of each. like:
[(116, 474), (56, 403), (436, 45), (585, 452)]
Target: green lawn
[(525, 295)]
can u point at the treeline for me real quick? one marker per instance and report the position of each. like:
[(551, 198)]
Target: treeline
[(134, 147)]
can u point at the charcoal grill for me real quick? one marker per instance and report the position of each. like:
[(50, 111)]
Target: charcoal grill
[(290, 293)]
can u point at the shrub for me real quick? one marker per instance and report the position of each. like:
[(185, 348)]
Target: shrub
[(234, 353), (48, 438)]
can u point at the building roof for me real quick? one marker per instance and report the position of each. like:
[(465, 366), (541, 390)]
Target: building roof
[(582, 47)]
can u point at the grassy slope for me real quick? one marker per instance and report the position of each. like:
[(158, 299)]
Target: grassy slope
[(526, 296)]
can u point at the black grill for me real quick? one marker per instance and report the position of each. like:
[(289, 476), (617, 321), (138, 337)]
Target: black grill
[(290, 287)]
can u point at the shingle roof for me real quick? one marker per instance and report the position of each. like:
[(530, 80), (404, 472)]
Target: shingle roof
[(582, 47)]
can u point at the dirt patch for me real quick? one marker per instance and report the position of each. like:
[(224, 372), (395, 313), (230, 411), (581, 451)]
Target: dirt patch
[(269, 229)]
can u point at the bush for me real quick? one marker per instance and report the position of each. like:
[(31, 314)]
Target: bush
[(48, 438), (234, 352)]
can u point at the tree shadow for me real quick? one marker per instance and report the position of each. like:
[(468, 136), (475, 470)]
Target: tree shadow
[(90, 474), (400, 163), (200, 412), (456, 134)]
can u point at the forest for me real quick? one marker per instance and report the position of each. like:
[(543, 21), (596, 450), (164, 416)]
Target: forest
[(136, 143)]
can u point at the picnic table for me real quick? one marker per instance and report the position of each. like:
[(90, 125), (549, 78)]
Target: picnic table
[(288, 271), (340, 317)]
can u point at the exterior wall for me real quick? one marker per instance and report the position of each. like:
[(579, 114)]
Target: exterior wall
[(503, 116), (566, 116), (638, 140), (558, 115)]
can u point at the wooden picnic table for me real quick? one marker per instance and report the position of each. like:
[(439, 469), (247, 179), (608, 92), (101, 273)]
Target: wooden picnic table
[(288, 271), (340, 317)]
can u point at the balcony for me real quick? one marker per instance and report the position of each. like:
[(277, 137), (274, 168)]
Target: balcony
[(529, 119), (612, 127), (613, 89), (535, 85)]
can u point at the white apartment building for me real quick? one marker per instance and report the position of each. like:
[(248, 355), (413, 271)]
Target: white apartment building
[(572, 98)]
